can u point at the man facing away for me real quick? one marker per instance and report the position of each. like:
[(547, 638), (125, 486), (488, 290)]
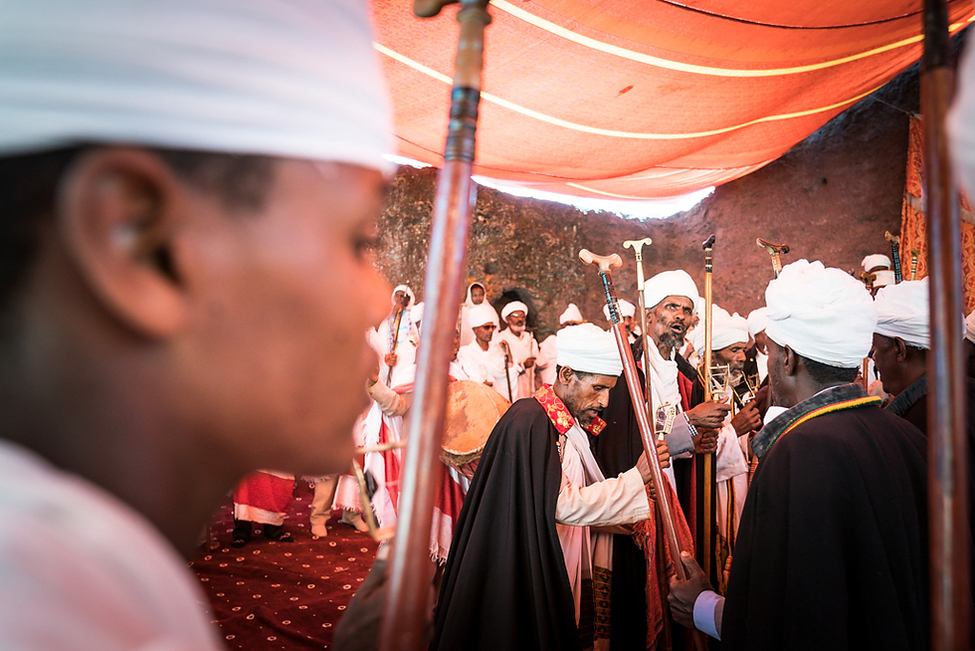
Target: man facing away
[(832, 548), (188, 222), (532, 544)]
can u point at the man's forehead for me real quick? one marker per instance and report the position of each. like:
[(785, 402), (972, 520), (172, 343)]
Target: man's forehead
[(517, 314), (683, 301)]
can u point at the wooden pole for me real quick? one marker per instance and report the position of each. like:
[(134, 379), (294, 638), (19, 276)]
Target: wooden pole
[(947, 397), (706, 549), (406, 608)]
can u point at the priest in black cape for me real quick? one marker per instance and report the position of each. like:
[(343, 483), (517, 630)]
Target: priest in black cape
[(506, 584), (832, 547)]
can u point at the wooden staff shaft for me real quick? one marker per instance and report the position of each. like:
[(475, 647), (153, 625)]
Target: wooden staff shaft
[(604, 263), (637, 246), (708, 458), (410, 571), (396, 325), (947, 400)]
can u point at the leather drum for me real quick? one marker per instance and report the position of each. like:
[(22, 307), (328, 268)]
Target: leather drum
[(473, 409)]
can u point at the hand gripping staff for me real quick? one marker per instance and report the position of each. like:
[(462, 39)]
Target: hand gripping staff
[(410, 570), (604, 264), (637, 246)]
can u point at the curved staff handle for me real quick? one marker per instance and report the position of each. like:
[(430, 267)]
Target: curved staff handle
[(604, 263), (637, 246), (410, 570)]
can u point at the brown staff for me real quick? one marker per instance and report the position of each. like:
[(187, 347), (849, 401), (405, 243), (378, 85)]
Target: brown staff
[(410, 571), (637, 246), (914, 254), (895, 254), (604, 264), (709, 457), (774, 251), (394, 343)]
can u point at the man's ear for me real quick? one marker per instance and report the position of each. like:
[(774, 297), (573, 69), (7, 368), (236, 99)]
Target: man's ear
[(117, 214), (565, 374), (790, 361), (901, 348)]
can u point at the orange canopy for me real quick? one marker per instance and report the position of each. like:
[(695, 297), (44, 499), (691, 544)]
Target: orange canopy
[(640, 99)]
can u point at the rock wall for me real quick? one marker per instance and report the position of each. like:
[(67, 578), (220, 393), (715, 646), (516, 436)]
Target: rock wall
[(830, 198)]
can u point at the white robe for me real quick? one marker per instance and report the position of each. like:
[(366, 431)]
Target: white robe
[(522, 348), (587, 499), (486, 366), (549, 354)]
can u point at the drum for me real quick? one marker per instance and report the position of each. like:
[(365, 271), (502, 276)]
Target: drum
[(473, 409)]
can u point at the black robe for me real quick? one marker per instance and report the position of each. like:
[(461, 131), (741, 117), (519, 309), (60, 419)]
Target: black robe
[(832, 547), (505, 584)]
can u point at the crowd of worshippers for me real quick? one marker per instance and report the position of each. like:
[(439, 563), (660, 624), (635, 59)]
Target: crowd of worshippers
[(187, 283)]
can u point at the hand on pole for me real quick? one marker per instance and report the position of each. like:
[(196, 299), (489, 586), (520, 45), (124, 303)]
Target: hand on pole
[(747, 420), (390, 359), (683, 593), (709, 415), (706, 441)]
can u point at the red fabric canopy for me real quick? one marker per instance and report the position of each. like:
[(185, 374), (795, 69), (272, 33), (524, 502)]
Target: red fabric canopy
[(624, 99)]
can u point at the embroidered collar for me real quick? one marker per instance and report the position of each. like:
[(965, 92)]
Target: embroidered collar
[(843, 396), (906, 398), (559, 414)]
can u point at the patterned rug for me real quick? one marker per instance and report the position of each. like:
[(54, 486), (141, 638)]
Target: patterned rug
[(272, 595)]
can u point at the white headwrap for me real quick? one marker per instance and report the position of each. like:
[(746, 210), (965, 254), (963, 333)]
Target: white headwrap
[(587, 348), (571, 313), (626, 309), (289, 78), (468, 301), (903, 311), (513, 306), (970, 327), (481, 315), (757, 320), (669, 283), (875, 260), (823, 314), (961, 122), (726, 330), (409, 292)]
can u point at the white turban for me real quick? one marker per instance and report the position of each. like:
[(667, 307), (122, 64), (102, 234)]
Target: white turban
[(884, 278), (961, 123), (726, 330), (970, 327), (481, 315), (587, 348), (823, 314), (571, 313), (669, 283), (875, 260), (513, 306), (757, 320), (903, 311), (288, 78), (626, 309)]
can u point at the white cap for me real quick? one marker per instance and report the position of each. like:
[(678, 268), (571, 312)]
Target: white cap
[(669, 283), (571, 313), (288, 78), (626, 309), (757, 320), (903, 311), (587, 348), (884, 278), (875, 260), (481, 315), (823, 314), (726, 329), (513, 306)]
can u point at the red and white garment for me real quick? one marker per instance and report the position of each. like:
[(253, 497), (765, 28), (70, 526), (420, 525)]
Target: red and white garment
[(264, 497)]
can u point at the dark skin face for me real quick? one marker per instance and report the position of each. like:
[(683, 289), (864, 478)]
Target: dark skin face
[(483, 335), (668, 322), (898, 364), (584, 395), (477, 294), (761, 342), (733, 356), (400, 299)]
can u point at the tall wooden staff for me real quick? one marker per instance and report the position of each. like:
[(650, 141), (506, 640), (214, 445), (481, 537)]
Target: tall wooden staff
[(392, 347), (410, 571), (947, 445), (604, 264), (708, 458), (895, 255), (637, 246)]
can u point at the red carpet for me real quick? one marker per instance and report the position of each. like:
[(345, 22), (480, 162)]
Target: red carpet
[(271, 595)]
